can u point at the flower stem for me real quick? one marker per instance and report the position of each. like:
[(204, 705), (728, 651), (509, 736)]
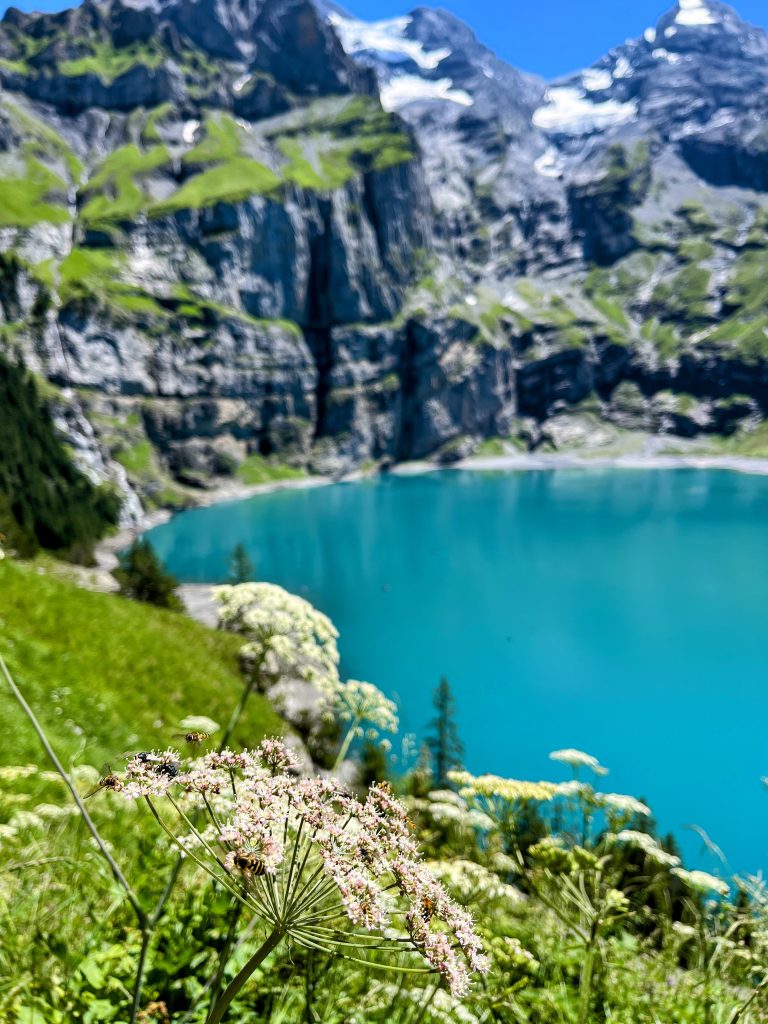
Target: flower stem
[(222, 1003), (739, 1012), (118, 875), (344, 750)]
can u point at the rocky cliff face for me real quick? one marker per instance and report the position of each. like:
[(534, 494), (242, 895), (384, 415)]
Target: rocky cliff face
[(241, 235)]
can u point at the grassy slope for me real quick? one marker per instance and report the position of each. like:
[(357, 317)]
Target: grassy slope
[(123, 673)]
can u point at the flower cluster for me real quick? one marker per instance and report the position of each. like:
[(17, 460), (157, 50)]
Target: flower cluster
[(622, 804), (578, 759), (650, 847), (312, 860), (285, 634), (150, 774), (494, 787), (702, 881), (356, 701), (473, 883)]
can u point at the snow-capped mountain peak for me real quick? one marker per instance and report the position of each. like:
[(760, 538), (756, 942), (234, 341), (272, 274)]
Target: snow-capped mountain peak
[(695, 12), (387, 41)]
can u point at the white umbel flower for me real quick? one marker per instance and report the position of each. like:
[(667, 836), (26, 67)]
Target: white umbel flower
[(578, 759)]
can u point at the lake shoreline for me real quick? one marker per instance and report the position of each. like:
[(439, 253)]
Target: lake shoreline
[(107, 549)]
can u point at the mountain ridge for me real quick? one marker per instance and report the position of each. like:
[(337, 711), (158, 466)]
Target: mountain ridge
[(272, 231)]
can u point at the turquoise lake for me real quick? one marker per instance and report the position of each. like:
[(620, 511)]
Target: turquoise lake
[(622, 612)]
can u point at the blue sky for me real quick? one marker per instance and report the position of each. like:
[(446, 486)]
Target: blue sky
[(549, 37)]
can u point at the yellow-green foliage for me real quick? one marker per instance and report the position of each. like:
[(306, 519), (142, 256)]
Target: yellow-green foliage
[(220, 142), (138, 459), (117, 673), (88, 274), (332, 147), (117, 178), (257, 469), (230, 182), (664, 338), (108, 62), (686, 296), (150, 132), (31, 197), (746, 300), (42, 141)]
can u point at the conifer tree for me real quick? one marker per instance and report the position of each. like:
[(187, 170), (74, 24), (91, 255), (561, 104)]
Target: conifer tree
[(443, 743), (143, 577), (240, 566), (45, 501)]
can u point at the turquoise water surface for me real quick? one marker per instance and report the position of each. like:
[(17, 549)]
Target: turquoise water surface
[(619, 611)]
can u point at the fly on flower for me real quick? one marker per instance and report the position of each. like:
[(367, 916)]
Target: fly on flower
[(249, 864), (427, 909), (193, 738), (108, 781), (316, 865)]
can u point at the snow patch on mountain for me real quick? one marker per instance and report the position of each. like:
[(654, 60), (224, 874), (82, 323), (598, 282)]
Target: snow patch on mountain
[(387, 40), (695, 12), (401, 90), (188, 131), (662, 54), (550, 164), (595, 80), (569, 111)]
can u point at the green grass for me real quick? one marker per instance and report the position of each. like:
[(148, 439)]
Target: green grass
[(94, 274), (18, 67), (686, 297), (42, 141), (128, 160), (746, 300), (696, 250), (748, 287), (108, 63), (116, 178), (749, 443), (231, 182), (193, 307), (257, 469), (329, 148), (139, 459), (106, 674), (150, 133), (491, 447), (487, 316), (611, 310), (664, 338), (221, 142), (696, 217), (30, 198)]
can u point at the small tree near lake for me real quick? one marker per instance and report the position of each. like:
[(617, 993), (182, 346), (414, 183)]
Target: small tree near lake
[(143, 577), (240, 566), (444, 743)]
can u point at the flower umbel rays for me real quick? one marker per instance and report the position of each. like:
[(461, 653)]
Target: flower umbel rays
[(577, 759), (317, 865)]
